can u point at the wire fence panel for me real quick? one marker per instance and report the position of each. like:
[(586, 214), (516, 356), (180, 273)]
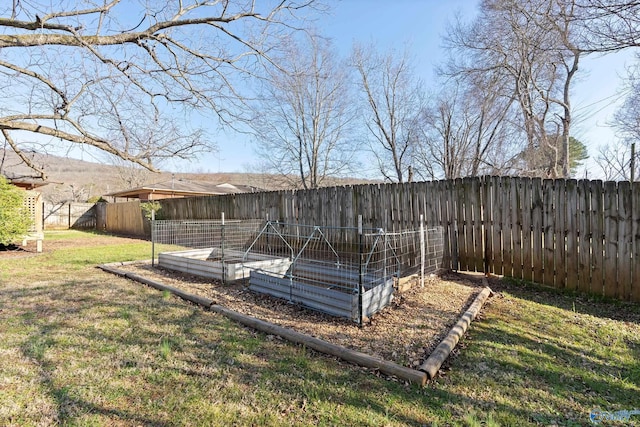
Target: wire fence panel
[(344, 271), (352, 280), (210, 248)]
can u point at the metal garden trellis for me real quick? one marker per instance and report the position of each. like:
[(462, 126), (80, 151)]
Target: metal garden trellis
[(344, 271)]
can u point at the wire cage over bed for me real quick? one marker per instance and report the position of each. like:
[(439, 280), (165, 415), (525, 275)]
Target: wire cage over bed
[(343, 271)]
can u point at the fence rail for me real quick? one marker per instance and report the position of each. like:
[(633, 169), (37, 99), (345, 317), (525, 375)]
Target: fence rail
[(579, 235)]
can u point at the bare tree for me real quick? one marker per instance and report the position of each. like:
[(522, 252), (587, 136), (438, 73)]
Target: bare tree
[(627, 117), (466, 132), (130, 175), (618, 160), (303, 115), (394, 100), (529, 44), (608, 25), (99, 73), (614, 161)]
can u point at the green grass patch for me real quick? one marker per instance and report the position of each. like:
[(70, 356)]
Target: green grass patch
[(82, 347)]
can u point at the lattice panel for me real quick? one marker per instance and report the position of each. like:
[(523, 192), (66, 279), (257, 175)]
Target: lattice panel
[(34, 206)]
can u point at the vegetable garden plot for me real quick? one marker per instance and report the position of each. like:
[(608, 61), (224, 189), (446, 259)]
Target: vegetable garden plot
[(352, 278), (212, 248), (346, 272), (209, 263)]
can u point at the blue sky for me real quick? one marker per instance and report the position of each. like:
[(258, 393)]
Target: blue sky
[(416, 23), (420, 24)]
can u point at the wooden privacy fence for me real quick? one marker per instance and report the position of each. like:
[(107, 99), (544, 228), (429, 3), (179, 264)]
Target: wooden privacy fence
[(69, 215), (579, 235), (123, 218)]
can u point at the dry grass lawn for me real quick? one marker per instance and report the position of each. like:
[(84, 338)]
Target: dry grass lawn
[(79, 346)]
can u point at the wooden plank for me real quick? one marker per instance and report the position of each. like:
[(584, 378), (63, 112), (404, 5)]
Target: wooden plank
[(536, 220), (584, 236), (560, 233), (624, 241), (461, 221), (527, 252), (610, 239), (572, 235), (350, 213), (416, 194), (407, 211), (428, 203), (487, 224), (465, 236), (378, 206), (467, 224), (507, 248), (449, 212), (596, 218), (496, 238), (371, 215), (478, 236), (635, 232), (516, 225), (396, 194), (548, 226)]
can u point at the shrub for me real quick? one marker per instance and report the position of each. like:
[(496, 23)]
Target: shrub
[(96, 199), (148, 207), (14, 217)]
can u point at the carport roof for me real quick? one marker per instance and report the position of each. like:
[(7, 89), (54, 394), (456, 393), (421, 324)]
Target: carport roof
[(181, 187)]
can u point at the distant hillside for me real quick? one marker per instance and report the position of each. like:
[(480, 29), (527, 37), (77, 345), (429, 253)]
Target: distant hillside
[(79, 180)]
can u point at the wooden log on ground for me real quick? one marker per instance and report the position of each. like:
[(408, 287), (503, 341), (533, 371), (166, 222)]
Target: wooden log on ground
[(205, 302), (442, 351), (411, 375), (356, 357)]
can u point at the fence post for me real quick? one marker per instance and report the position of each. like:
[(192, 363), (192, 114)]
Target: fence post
[(153, 237), (361, 272), (224, 266), (422, 250)]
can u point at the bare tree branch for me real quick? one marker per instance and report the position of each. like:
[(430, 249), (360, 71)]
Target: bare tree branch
[(302, 118), (393, 101), (73, 72)]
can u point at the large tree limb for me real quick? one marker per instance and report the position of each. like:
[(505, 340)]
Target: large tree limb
[(107, 146)]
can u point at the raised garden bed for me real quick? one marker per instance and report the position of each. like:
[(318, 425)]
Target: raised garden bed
[(208, 263), (325, 288)]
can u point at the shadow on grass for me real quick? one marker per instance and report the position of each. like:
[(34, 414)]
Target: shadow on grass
[(53, 316), (112, 364), (569, 300)]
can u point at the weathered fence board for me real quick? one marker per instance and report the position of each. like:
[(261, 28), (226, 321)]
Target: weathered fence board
[(548, 230), (477, 213), (597, 235), (126, 218), (610, 239), (560, 209), (57, 216), (571, 200), (536, 214), (625, 241), (635, 233), (584, 236), (527, 252), (516, 226)]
